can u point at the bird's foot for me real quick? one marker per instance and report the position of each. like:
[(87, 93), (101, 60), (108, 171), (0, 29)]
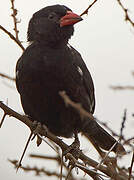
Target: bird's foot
[(74, 148), (36, 129)]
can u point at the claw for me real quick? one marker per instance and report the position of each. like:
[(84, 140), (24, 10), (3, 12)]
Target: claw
[(74, 148)]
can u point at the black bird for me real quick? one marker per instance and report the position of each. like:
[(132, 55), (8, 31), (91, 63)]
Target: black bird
[(50, 65)]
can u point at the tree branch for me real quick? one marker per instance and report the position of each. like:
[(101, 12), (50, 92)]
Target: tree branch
[(7, 77), (127, 17), (86, 11), (59, 142), (15, 19), (12, 37)]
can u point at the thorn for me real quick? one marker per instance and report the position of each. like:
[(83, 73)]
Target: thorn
[(34, 135), (39, 141), (7, 102), (2, 119), (17, 167), (61, 169), (19, 164), (69, 172), (36, 129), (130, 168), (106, 155), (47, 143)]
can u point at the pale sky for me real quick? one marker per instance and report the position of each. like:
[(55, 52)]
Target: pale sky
[(106, 43)]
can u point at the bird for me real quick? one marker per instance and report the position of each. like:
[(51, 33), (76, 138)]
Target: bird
[(50, 65)]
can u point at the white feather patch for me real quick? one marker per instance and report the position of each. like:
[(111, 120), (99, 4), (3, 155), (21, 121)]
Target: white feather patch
[(17, 74), (80, 71)]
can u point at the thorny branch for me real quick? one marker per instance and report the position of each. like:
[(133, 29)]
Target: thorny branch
[(16, 37), (127, 17), (38, 171), (86, 11), (12, 37), (123, 124), (107, 170), (56, 158), (15, 11), (76, 163)]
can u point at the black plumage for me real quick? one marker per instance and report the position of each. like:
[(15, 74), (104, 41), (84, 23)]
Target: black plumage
[(50, 65)]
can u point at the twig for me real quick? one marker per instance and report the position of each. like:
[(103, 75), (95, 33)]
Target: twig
[(53, 158), (47, 143), (7, 77), (3, 118), (37, 170), (92, 173), (127, 141), (86, 11), (76, 163), (130, 169), (61, 167), (123, 123), (19, 164), (127, 17), (59, 142), (69, 172), (122, 87), (15, 19), (83, 113), (12, 37), (77, 106), (106, 155)]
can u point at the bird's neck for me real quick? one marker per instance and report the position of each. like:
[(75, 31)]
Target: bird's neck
[(52, 44), (53, 39)]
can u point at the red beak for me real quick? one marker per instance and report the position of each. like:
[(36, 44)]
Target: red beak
[(69, 19)]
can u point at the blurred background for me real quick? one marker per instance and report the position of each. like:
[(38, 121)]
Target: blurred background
[(106, 43)]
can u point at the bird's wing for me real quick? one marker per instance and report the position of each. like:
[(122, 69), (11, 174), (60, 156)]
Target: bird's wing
[(87, 79)]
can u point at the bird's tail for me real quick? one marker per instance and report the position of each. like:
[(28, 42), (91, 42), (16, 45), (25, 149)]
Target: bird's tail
[(100, 138)]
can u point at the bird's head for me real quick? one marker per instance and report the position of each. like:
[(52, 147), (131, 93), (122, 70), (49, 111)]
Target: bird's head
[(52, 25)]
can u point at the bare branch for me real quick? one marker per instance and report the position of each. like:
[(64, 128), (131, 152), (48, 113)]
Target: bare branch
[(123, 123), (122, 87), (130, 169), (77, 106), (7, 77), (106, 155), (12, 37), (127, 17), (15, 19), (37, 170), (27, 143), (76, 163), (86, 11), (59, 142), (3, 118)]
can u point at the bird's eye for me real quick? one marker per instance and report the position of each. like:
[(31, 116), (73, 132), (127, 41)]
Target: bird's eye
[(51, 16)]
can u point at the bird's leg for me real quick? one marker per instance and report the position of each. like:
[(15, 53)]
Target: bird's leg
[(74, 148), (36, 129)]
